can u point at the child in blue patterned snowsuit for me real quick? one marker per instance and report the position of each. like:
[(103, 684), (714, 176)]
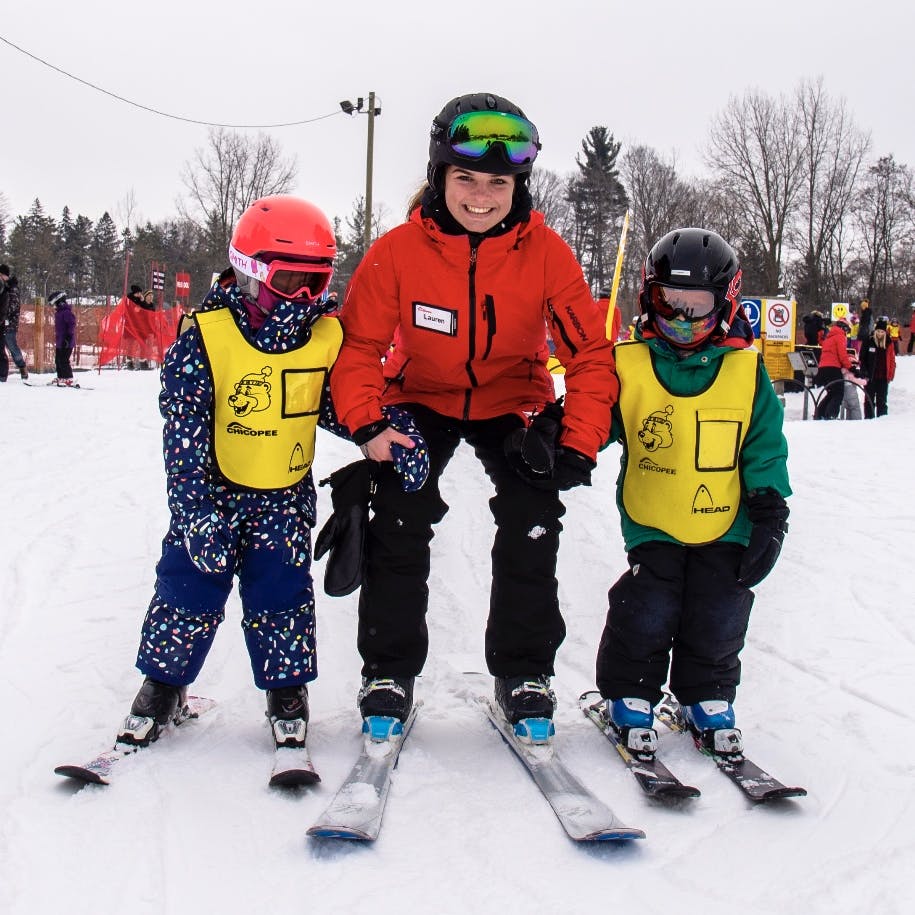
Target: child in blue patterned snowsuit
[(243, 389)]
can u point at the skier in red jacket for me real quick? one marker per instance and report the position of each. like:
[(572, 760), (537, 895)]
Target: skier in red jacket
[(834, 358), (470, 285)]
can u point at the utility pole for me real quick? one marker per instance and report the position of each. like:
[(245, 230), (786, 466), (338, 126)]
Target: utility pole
[(369, 153), (349, 108)]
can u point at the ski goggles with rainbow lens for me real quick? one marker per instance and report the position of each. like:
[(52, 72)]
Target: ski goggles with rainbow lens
[(287, 279), (473, 134), (691, 304)]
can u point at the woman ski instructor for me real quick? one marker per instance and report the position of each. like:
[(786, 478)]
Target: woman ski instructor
[(469, 286)]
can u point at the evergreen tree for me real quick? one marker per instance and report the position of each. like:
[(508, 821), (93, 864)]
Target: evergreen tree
[(33, 248), (75, 239), (598, 200), (105, 260)]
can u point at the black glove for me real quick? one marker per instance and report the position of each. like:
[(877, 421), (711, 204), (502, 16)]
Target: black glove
[(769, 514), (571, 468), (343, 535), (531, 451)]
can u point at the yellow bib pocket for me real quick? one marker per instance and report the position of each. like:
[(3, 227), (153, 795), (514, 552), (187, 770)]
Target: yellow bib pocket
[(719, 433)]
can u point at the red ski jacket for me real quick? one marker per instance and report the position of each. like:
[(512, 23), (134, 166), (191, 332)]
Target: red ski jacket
[(471, 330), (834, 352)]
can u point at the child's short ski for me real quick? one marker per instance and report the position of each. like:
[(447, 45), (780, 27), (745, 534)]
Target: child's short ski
[(292, 768), (754, 782), (583, 816), (357, 808), (101, 769), (654, 778), (53, 384)]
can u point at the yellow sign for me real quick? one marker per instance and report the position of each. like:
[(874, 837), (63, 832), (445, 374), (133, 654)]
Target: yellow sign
[(840, 310)]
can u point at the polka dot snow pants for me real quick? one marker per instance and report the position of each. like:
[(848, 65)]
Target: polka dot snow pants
[(188, 606)]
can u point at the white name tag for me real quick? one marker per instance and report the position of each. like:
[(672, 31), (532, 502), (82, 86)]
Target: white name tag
[(432, 317)]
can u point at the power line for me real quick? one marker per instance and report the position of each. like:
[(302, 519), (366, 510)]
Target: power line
[(164, 114)]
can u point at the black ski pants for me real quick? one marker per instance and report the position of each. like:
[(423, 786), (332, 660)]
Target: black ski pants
[(525, 626), (681, 608)]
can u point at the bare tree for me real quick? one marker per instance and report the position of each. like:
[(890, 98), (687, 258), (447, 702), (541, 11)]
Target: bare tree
[(548, 191), (884, 214), (229, 174), (658, 198), (4, 218), (756, 151), (834, 150), (659, 201)]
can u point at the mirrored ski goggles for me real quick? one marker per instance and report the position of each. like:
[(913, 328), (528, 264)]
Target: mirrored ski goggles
[(287, 279), (472, 135), (692, 304)]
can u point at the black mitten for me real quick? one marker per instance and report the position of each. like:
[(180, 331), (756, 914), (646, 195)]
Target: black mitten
[(531, 451), (768, 512), (571, 469), (343, 535)]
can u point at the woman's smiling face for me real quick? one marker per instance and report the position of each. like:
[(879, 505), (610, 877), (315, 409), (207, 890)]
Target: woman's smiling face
[(478, 200)]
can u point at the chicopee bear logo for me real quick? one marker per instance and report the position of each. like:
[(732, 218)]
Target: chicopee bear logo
[(704, 504), (657, 431), (252, 393)]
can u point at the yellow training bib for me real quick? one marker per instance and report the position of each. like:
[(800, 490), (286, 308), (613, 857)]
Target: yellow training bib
[(682, 472), (266, 405)]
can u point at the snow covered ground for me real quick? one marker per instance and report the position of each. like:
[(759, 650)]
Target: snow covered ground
[(192, 827)]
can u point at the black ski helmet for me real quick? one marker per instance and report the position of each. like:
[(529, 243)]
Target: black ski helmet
[(495, 161), (57, 298), (694, 258)]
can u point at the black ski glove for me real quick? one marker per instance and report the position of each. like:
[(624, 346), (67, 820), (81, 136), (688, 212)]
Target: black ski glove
[(531, 451), (768, 512), (535, 455), (343, 535)]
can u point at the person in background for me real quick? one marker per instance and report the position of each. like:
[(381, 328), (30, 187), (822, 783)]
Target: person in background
[(9, 325), (254, 356), (834, 358), (603, 303), (865, 322), (814, 328), (701, 495), (469, 286), (894, 332), (65, 338), (908, 349), (878, 364)]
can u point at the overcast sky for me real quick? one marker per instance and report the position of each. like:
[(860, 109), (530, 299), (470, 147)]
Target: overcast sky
[(652, 72)]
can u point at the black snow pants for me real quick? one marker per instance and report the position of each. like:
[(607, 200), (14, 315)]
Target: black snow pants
[(525, 626), (681, 608)]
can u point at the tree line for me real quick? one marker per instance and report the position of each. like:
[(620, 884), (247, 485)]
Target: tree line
[(791, 183)]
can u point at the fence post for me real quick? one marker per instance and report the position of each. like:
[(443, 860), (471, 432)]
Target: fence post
[(39, 336)]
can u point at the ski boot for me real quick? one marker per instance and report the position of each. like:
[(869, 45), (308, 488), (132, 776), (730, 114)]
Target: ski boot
[(287, 709), (385, 704), (528, 704), (155, 705), (633, 721), (712, 724)]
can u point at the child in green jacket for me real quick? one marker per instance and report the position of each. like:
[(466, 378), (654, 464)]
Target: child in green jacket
[(701, 495)]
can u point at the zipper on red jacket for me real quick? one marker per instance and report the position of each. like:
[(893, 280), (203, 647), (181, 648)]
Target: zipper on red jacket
[(472, 324)]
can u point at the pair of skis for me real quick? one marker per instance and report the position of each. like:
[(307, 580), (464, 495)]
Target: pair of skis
[(356, 810), (656, 780), (292, 767)]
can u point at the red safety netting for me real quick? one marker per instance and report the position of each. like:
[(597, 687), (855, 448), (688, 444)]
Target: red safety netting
[(137, 333)]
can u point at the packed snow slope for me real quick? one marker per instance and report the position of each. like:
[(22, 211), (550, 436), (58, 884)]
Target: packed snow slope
[(192, 827)]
